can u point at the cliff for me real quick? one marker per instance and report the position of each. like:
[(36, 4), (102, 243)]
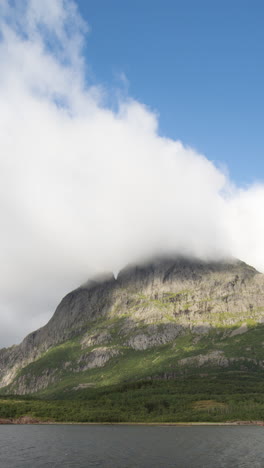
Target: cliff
[(156, 320)]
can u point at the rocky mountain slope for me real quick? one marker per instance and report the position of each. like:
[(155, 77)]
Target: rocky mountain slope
[(157, 320)]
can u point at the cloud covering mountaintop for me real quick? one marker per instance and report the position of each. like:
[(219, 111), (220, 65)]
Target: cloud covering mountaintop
[(85, 187)]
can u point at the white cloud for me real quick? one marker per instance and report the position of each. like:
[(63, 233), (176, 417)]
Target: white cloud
[(84, 188)]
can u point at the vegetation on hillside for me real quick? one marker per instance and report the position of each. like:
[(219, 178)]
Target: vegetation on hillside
[(218, 397)]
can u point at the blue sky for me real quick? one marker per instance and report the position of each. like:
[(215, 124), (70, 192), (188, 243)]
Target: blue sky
[(199, 64)]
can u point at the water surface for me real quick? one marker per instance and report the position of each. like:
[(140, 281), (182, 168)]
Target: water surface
[(116, 446)]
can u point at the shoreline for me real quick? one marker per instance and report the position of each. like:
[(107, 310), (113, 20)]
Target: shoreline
[(32, 421)]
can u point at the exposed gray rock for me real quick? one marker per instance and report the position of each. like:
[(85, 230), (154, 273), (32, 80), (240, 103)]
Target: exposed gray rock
[(84, 385), (155, 336), (240, 330), (33, 383), (215, 358), (97, 338), (201, 329), (98, 357)]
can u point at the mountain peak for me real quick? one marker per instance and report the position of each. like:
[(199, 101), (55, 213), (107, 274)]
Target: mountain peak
[(157, 302)]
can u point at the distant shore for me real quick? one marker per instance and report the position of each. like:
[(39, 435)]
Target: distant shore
[(29, 420)]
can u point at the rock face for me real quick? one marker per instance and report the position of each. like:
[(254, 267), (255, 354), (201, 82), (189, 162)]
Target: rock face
[(155, 306), (155, 335), (98, 357)]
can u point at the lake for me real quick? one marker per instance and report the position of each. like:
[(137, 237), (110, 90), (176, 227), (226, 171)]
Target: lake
[(127, 446)]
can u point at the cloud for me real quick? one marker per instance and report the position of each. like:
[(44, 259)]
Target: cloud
[(84, 188)]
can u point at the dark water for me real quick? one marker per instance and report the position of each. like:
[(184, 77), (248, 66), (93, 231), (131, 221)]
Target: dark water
[(131, 446)]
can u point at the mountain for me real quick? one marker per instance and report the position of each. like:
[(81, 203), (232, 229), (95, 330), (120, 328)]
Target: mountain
[(160, 320)]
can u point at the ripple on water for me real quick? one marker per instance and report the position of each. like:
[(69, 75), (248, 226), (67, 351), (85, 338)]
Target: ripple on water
[(116, 446)]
